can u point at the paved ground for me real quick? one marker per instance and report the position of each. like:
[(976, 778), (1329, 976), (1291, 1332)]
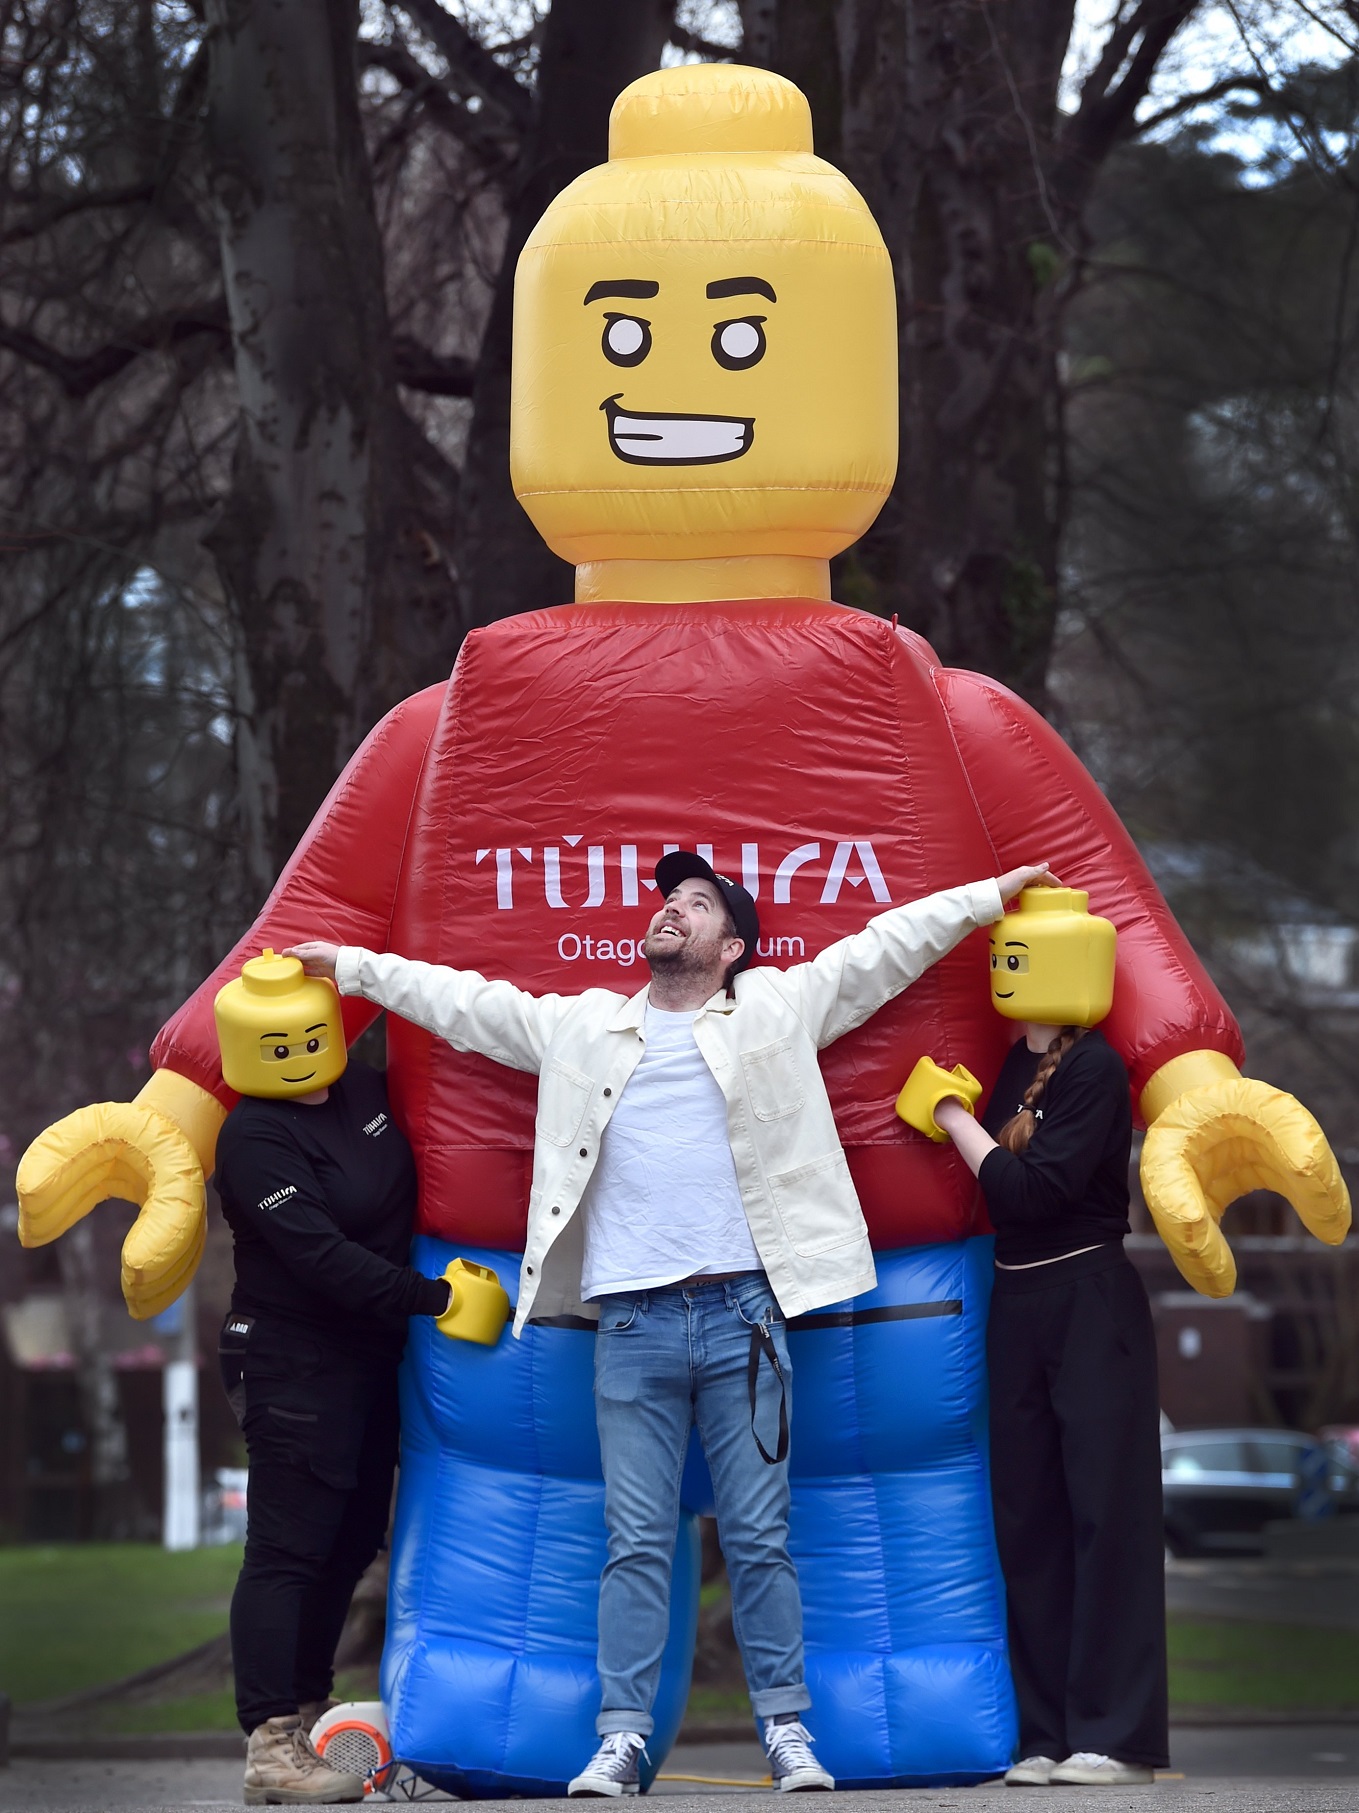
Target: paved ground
[(1283, 1769), (1320, 1592)]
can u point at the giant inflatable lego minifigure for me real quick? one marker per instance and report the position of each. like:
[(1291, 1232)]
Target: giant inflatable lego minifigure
[(704, 413)]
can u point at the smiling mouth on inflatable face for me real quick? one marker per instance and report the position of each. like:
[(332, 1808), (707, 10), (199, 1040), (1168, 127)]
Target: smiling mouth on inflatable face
[(645, 438)]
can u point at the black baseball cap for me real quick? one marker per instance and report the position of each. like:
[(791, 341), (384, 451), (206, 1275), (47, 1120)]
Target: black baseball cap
[(688, 865)]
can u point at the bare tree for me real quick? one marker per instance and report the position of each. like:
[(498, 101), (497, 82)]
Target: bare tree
[(591, 49), (946, 116), (336, 501)]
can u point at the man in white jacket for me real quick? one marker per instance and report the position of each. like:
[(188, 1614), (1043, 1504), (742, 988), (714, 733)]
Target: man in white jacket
[(690, 1190)]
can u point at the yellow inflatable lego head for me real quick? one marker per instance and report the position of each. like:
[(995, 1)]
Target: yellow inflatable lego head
[(705, 360), (280, 1030), (1052, 961)]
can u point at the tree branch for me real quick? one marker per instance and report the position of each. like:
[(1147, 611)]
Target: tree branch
[(437, 374), (493, 144), (473, 62), (1204, 96), (176, 127), (1108, 104), (704, 47), (79, 374), (48, 214)]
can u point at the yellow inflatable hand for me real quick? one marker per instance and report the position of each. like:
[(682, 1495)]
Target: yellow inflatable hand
[(153, 1152), (927, 1085), (1214, 1135)]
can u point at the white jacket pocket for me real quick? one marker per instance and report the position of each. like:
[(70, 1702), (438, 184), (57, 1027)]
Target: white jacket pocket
[(814, 1201), (773, 1080), (563, 1096)]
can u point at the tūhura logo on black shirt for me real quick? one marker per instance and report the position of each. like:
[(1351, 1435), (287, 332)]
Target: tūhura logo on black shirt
[(275, 1197), (376, 1126)]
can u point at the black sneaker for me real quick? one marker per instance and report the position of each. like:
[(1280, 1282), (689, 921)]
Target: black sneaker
[(613, 1767)]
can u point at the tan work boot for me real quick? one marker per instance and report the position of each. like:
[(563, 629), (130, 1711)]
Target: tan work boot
[(282, 1770)]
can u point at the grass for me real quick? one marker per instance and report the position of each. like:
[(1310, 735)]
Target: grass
[(210, 1711), (199, 1712), (1215, 1664), (719, 1705), (82, 1614), (1226, 1663)]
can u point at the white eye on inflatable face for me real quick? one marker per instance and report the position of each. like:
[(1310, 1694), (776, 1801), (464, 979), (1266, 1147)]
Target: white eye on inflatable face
[(737, 345), (627, 340)]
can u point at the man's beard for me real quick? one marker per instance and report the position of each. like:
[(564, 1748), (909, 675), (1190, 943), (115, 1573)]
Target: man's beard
[(672, 956)]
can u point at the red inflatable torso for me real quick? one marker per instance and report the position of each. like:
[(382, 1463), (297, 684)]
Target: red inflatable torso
[(510, 824)]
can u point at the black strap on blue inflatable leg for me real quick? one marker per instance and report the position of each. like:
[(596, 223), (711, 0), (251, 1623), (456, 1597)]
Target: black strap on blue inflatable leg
[(761, 1341)]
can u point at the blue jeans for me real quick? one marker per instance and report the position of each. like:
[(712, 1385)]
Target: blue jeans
[(665, 1360)]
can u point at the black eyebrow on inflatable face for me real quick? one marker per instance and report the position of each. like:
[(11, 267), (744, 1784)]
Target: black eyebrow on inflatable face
[(741, 286), (638, 288)]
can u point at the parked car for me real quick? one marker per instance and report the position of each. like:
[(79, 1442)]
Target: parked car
[(1221, 1487)]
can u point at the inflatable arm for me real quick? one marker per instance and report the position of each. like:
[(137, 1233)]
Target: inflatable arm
[(340, 883), (1032, 791), (1212, 1134)]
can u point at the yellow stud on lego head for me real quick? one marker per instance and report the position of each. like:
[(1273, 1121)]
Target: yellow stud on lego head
[(705, 337), (1052, 961), (279, 1029)]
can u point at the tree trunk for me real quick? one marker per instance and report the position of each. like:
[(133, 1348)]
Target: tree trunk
[(591, 50), (944, 114), (327, 542)]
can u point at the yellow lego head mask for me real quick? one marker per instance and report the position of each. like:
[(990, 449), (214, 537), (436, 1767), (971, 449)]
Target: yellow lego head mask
[(280, 1030), (705, 337), (1052, 961)]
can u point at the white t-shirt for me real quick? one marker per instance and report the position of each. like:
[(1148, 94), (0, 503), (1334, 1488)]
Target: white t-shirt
[(663, 1202)]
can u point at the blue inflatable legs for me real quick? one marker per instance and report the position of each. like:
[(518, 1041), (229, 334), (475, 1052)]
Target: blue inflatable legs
[(489, 1672)]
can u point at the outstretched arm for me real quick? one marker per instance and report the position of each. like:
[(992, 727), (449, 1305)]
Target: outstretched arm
[(1031, 788), (497, 1019), (848, 982)]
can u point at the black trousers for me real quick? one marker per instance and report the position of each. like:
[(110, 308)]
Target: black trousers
[(321, 1430), (1076, 1483)]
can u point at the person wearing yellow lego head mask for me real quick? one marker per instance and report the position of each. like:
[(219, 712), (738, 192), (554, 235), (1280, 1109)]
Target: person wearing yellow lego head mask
[(1075, 1421), (318, 1186)]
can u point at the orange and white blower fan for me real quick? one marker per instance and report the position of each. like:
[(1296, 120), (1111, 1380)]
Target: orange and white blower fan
[(354, 1737)]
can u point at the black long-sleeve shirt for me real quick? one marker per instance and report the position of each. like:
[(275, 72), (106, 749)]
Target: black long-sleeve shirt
[(1070, 1188), (320, 1199)]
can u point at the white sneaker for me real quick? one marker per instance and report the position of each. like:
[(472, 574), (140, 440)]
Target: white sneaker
[(613, 1767), (1031, 1772), (791, 1763), (1092, 1769)]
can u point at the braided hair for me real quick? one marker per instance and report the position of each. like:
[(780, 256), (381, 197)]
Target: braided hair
[(1019, 1129)]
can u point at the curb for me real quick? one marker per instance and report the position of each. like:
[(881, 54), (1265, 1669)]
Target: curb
[(1226, 1718), (170, 1746)]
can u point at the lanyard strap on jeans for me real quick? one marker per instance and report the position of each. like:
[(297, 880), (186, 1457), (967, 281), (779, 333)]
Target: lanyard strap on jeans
[(762, 1341)]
